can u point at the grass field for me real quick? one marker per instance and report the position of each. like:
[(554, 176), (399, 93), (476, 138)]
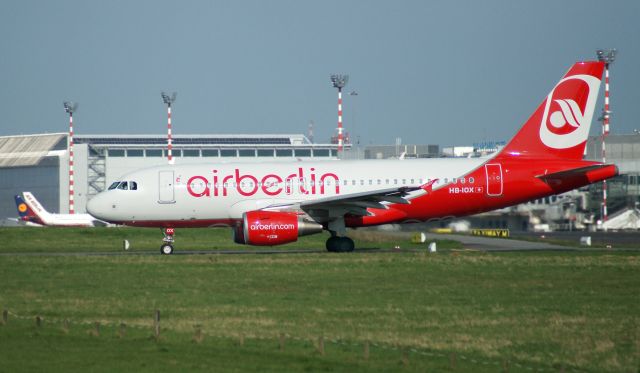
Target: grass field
[(59, 240), (450, 311)]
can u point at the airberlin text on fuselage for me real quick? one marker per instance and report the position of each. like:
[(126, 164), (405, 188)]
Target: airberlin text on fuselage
[(247, 184)]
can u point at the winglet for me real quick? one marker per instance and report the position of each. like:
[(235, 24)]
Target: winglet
[(428, 187)]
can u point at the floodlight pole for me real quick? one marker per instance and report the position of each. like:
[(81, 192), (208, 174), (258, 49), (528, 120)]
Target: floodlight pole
[(168, 101), (339, 81), (70, 107), (354, 94), (310, 136), (607, 56)]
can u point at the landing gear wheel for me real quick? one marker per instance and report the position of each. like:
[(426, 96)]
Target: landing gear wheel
[(166, 249), (340, 244), (332, 244)]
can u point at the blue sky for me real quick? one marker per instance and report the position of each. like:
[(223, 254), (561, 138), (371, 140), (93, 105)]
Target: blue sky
[(446, 72)]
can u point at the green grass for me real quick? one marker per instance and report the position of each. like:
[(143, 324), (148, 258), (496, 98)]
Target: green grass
[(540, 311), (50, 239)]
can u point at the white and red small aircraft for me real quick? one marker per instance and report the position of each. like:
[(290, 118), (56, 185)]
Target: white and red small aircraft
[(272, 203), (32, 213)]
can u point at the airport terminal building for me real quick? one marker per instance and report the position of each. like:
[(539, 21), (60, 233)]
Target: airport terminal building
[(40, 163)]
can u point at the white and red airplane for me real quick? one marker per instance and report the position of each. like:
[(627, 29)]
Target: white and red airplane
[(32, 213), (269, 203)]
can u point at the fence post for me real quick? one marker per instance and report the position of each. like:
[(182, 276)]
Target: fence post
[(197, 336), (366, 350), (96, 331), (281, 341), (156, 324), (452, 361), (38, 321), (65, 326), (505, 366), (5, 317), (321, 345), (241, 341), (405, 356), (122, 332)]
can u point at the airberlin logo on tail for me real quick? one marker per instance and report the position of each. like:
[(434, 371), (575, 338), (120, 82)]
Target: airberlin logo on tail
[(565, 122)]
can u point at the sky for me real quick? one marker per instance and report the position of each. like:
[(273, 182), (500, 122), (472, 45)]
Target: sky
[(428, 72)]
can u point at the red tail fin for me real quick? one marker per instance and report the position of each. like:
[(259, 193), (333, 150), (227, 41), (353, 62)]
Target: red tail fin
[(560, 125)]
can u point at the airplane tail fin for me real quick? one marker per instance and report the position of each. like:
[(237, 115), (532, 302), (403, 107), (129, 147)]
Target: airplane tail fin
[(36, 208), (25, 212), (559, 128)]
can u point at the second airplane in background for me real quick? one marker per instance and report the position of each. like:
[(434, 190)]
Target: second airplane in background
[(33, 213)]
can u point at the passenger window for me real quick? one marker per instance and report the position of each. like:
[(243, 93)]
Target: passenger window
[(134, 185), (123, 185)]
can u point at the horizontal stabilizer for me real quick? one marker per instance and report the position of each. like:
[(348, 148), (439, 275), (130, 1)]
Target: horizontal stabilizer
[(593, 173)]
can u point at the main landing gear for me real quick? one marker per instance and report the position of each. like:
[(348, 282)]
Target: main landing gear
[(167, 248), (337, 244)]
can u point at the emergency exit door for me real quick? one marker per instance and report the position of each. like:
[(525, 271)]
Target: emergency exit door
[(165, 185), (494, 179)]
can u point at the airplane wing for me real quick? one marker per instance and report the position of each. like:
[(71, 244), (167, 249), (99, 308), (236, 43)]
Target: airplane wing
[(354, 204)]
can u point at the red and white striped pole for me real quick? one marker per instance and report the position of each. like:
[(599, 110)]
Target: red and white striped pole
[(339, 81), (169, 140), (168, 101), (70, 108), (71, 202), (605, 133), (340, 138), (607, 56)]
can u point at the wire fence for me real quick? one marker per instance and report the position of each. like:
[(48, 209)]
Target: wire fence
[(406, 353)]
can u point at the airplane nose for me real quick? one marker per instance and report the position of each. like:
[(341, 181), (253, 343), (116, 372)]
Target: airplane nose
[(98, 207)]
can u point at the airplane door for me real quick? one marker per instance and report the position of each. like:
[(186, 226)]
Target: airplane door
[(494, 179), (165, 184)]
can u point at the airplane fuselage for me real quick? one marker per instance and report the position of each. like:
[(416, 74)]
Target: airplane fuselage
[(218, 194)]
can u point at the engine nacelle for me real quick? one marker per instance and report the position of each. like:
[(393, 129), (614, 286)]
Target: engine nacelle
[(269, 228)]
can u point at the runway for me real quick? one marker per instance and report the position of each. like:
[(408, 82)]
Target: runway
[(475, 243)]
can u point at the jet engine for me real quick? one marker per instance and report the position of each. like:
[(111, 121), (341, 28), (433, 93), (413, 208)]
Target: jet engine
[(269, 228)]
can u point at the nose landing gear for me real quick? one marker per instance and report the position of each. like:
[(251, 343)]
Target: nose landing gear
[(167, 248)]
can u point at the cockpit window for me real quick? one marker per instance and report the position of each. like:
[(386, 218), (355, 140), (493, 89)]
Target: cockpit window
[(124, 185)]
